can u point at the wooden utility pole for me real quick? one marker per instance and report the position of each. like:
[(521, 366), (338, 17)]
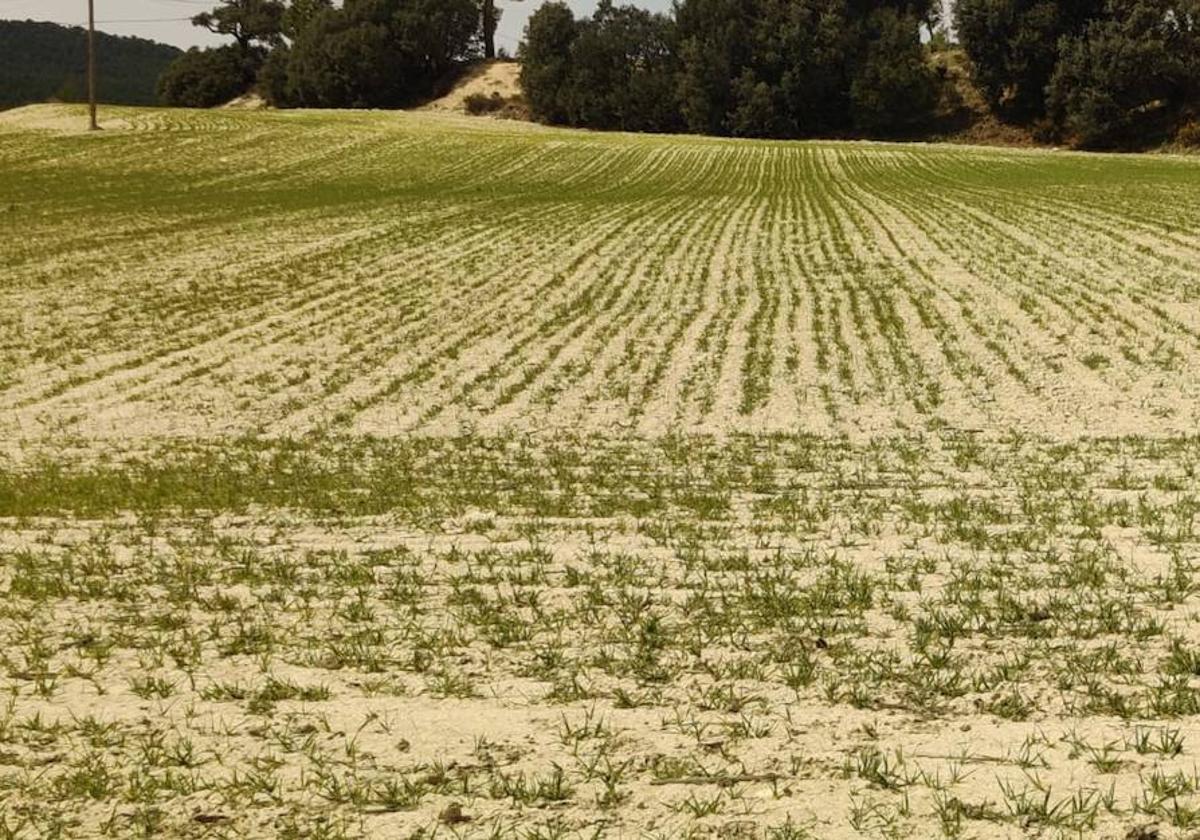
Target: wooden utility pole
[(91, 59)]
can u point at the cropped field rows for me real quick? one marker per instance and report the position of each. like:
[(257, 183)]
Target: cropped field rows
[(392, 475), (769, 638), (221, 273)]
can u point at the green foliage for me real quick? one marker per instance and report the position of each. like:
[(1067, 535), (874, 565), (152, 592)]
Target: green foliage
[(622, 68), (40, 61), (614, 70), (273, 78), (248, 22), (365, 54), (1013, 48), (756, 113), (301, 13), (893, 89), (763, 69), (379, 53), (546, 60), (206, 78), (751, 68), (1120, 81), (1116, 73), (714, 45)]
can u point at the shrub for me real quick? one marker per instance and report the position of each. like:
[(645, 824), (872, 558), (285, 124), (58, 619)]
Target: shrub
[(207, 78), (1189, 135), (478, 104)]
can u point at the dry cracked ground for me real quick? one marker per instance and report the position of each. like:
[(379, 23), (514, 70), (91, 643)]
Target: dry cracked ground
[(411, 476)]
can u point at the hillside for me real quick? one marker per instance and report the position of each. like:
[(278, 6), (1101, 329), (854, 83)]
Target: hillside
[(43, 61)]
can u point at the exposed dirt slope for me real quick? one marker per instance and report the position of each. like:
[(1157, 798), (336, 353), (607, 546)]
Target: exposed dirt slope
[(486, 79), (963, 113), (246, 102)]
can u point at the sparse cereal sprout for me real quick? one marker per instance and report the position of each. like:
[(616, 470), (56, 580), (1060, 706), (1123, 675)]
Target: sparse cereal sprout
[(475, 479)]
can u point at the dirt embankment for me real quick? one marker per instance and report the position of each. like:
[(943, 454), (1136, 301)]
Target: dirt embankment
[(963, 115), (487, 87)]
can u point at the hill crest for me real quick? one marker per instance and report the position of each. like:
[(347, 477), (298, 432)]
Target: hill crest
[(41, 61)]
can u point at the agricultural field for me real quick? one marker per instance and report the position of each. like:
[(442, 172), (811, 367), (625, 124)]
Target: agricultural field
[(412, 476)]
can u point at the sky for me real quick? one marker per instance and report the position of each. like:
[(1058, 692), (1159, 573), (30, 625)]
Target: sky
[(168, 20)]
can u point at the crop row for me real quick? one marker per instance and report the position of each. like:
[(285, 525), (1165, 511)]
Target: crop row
[(394, 274)]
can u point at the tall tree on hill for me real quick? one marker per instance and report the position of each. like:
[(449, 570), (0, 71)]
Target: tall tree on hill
[(797, 68), (250, 23), (545, 56), (615, 69), (204, 78), (301, 13), (491, 20)]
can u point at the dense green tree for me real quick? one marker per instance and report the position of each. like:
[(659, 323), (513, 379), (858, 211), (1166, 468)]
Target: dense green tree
[(751, 68), (300, 13), (380, 53), (1100, 72), (788, 68), (1013, 47), (614, 70), (251, 23), (1123, 79), (894, 89), (545, 56), (716, 48), (336, 64), (622, 71), (757, 111), (274, 84), (206, 78)]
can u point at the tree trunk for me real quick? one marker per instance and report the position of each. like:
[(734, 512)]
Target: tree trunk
[(489, 28)]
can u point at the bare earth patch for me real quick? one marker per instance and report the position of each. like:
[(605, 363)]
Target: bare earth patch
[(491, 78)]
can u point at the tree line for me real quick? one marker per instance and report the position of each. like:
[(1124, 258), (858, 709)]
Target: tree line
[(1099, 73), (309, 53), (1102, 72), (748, 68)]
